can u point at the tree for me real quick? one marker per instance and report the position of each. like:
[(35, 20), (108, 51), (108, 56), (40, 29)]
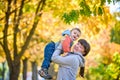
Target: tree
[(17, 16), (15, 13), (86, 8), (115, 33), (25, 68)]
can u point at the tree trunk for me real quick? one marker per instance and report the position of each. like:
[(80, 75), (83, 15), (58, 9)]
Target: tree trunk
[(34, 71), (15, 70), (3, 71), (25, 69)]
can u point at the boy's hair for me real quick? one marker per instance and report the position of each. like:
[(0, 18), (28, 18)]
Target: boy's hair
[(76, 29), (86, 46), (87, 49)]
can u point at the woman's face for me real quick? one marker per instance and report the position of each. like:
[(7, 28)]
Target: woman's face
[(75, 34), (78, 48)]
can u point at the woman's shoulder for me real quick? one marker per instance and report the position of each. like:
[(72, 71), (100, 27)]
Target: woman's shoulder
[(78, 57)]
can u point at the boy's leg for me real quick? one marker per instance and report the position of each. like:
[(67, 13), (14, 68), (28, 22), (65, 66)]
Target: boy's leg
[(48, 51)]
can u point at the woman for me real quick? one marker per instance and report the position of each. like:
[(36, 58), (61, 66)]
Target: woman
[(69, 64)]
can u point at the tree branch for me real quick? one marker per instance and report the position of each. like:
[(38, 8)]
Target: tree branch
[(13, 10), (16, 26), (1, 44), (15, 34), (36, 19), (5, 32)]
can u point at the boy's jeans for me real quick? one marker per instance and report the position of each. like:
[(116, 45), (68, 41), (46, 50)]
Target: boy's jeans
[(48, 52)]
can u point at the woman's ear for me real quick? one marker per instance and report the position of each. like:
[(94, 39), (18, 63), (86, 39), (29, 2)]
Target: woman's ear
[(83, 53)]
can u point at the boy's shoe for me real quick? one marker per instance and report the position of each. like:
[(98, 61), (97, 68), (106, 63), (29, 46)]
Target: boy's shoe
[(44, 73)]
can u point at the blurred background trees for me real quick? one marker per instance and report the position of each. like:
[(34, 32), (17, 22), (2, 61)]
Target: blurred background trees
[(27, 25)]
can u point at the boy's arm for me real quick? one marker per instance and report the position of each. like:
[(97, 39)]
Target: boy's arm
[(66, 32)]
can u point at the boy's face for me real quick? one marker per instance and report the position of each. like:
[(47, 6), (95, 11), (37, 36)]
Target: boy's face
[(75, 34), (78, 48)]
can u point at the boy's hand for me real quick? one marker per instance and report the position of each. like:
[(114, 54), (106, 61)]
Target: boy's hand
[(65, 53)]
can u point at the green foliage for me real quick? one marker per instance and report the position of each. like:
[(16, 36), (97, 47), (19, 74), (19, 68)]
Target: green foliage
[(107, 72), (88, 8), (96, 72), (100, 11), (72, 16), (29, 8), (97, 10), (114, 1), (85, 11), (109, 1), (94, 11), (113, 69), (117, 0), (115, 33), (102, 2)]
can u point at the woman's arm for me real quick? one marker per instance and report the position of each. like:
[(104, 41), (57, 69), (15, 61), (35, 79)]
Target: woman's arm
[(66, 60)]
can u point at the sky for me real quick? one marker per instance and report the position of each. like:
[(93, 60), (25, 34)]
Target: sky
[(115, 8)]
